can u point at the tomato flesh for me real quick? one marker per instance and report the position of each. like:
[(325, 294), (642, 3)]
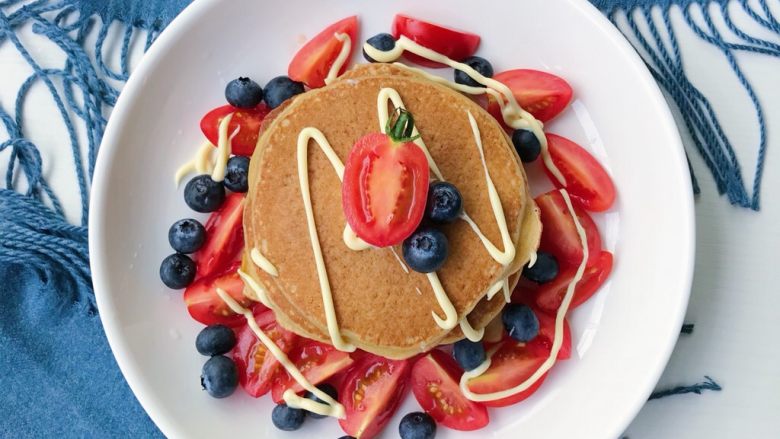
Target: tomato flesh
[(540, 93), (205, 306), (455, 44), (314, 60), (247, 120), (371, 392), (559, 233), (586, 180), (224, 237), (256, 365), (510, 366), (550, 295), (435, 380), (385, 189), (316, 361)]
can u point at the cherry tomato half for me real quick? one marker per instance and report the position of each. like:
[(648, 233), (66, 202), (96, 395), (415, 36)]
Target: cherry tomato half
[(453, 43), (540, 93), (313, 61), (224, 237), (205, 305), (586, 180), (316, 361), (559, 233), (249, 121)]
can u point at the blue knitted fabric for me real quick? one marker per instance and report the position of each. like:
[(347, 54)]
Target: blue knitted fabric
[(57, 372)]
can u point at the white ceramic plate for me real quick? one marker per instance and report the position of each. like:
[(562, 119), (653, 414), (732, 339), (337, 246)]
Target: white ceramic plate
[(623, 337)]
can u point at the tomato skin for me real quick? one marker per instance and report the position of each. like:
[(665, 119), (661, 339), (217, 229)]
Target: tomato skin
[(550, 295), (205, 306), (313, 61), (511, 365), (559, 233), (435, 380), (256, 366), (371, 392), (224, 237), (249, 121), (455, 44), (542, 94), (586, 180), (316, 361), (385, 189)]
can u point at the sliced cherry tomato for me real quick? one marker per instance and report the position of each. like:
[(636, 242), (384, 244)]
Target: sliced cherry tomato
[(455, 44), (249, 121), (435, 381), (313, 61), (540, 93), (559, 233), (370, 393), (205, 306), (385, 185), (550, 295), (316, 361), (256, 365), (541, 345), (586, 180), (510, 366), (224, 237)]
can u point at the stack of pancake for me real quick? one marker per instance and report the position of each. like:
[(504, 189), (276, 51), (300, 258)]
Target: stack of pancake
[(380, 307)]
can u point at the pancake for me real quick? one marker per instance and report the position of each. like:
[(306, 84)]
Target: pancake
[(371, 291)]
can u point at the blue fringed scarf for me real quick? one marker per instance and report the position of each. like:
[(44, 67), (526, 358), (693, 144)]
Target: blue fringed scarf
[(54, 351)]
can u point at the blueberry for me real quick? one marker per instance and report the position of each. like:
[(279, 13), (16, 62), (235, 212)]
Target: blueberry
[(280, 89), (426, 250), (444, 204), (237, 174), (243, 93), (203, 194), (287, 418), (417, 425), (527, 145), (544, 270), (327, 388), (383, 42), (219, 376), (177, 271), (187, 235), (469, 354), (215, 340), (477, 63), (520, 322)]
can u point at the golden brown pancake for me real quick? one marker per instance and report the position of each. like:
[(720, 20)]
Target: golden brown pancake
[(380, 308)]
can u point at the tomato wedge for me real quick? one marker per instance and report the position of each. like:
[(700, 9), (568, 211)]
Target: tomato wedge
[(435, 380), (313, 61), (316, 361), (540, 93), (550, 295), (370, 393), (224, 236), (385, 185), (586, 180), (205, 306), (249, 121), (256, 366), (511, 365), (455, 44), (559, 233)]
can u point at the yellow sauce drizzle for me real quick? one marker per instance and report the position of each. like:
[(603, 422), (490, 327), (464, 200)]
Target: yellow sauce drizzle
[(469, 331), (223, 148), (260, 293), (263, 263), (346, 48), (200, 163)]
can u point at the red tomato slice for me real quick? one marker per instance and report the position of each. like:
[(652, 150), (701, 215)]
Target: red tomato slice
[(559, 233), (455, 44), (256, 366), (385, 189), (435, 380), (313, 61), (540, 93), (511, 365), (248, 119), (205, 306), (224, 237), (370, 393), (550, 295), (586, 180), (316, 361)]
